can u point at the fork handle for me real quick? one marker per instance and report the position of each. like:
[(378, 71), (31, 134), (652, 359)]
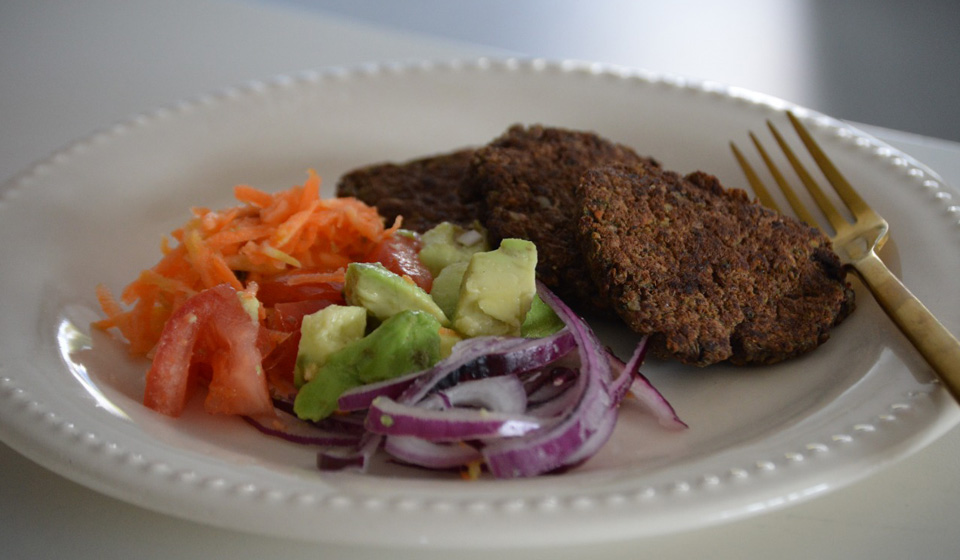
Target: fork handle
[(934, 342)]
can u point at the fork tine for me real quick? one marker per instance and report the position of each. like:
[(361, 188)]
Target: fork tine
[(827, 207), (755, 183), (849, 196), (795, 203)]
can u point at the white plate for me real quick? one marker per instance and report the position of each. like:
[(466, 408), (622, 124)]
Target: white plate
[(760, 438)]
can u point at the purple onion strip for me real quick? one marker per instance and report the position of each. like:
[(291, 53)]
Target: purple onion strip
[(642, 390), (388, 417), (352, 457), (431, 455), (480, 357), (504, 393), (295, 431), (545, 450)]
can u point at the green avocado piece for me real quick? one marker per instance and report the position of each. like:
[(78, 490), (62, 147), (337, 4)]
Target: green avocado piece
[(446, 287), (447, 243), (448, 339), (384, 294), (497, 290), (323, 333), (404, 343), (540, 321)]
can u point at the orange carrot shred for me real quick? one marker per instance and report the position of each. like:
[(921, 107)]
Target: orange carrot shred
[(250, 195), (110, 306), (294, 233), (338, 275), (311, 189)]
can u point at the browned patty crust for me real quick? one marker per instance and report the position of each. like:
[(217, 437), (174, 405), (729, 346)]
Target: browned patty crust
[(424, 191), (525, 182), (710, 275)]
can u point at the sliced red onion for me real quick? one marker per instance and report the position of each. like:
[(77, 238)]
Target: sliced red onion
[(642, 390), (350, 457), (471, 359), (359, 398), (592, 444), (551, 385), (624, 373), (559, 403), (470, 237), (504, 393), (294, 430), (388, 417), (352, 423), (545, 450), (476, 358), (423, 453), (631, 381)]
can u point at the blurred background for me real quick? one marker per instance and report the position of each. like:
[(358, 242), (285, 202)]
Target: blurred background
[(70, 67), (890, 63)]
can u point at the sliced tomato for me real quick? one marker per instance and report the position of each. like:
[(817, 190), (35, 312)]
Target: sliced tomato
[(280, 290), (279, 364), (400, 254), (288, 316), (211, 332)]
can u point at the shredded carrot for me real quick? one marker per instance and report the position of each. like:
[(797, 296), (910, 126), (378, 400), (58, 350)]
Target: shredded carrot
[(252, 196), (338, 275), (292, 232), (111, 308)]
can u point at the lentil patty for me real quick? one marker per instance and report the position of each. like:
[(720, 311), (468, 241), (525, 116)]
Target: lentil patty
[(524, 182), (424, 191), (710, 275)]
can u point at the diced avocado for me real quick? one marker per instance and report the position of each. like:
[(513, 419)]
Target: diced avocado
[(446, 287), (384, 294), (497, 290), (404, 343), (540, 321), (250, 304), (447, 243), (323, 333), (448, 339)]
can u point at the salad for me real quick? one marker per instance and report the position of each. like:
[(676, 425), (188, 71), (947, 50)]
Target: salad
[(315, 322)]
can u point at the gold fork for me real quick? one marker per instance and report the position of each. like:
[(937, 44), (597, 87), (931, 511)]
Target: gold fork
[(856, 243)]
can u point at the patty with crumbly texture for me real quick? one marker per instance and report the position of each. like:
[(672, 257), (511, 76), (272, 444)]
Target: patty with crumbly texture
[(525, 181), (710, 275), (425, 191)]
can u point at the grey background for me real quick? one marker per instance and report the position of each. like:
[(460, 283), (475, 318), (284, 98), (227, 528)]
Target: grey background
[(894, 64)]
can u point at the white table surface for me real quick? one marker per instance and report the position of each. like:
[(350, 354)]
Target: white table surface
[(69, 68)]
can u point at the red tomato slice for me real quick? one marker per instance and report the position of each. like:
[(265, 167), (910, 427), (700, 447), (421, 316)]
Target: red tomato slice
[(279, 364), (288, 316), (400, 254), (210, 329), (279, 290)]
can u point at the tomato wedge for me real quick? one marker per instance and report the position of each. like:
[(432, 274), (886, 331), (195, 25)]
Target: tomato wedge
[(281, 290), (279, 364), (211, 331), (288, 316), (400, 254)]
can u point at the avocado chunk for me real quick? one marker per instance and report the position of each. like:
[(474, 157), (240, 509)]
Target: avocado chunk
[(448, 339), (323, 333), (446, 287), (384, 294), (404, 343), (497, 290), (540, 321), (448, 243)]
